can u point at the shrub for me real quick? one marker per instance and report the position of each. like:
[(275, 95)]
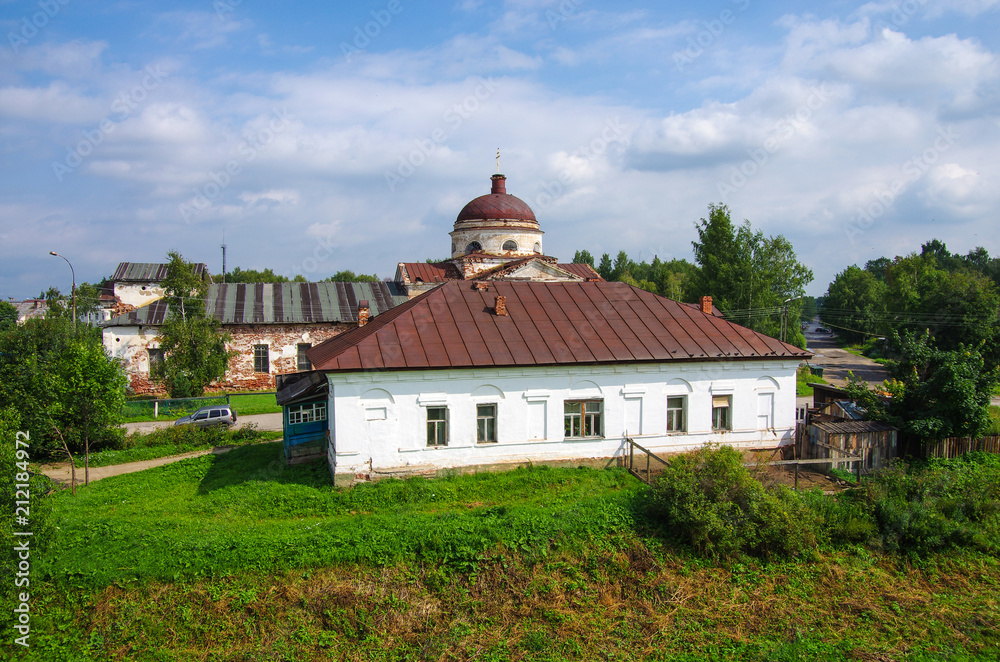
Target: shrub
[(709, 500)]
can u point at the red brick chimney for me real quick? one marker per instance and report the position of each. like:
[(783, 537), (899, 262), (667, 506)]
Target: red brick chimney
[(363, 312), (482, 286), (706, 305), (500, 307), (499, 184)]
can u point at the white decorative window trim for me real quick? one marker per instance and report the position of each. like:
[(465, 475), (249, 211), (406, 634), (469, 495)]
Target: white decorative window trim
[(432, 399)]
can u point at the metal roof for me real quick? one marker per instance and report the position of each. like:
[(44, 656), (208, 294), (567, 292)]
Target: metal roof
[(279, 303), (455, 325), (148, 272), (439, 272), (853, 427)]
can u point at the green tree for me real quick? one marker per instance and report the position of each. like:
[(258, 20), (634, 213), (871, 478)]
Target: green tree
[(348, 276), (933, 393), (63, 384), (605, 268), (749, 276), (855, 304), (239, 275), (583, 257), (8, 315), (194, 345)]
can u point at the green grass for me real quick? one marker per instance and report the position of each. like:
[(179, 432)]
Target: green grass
[(152, 452), (803, 377), (238, 557)]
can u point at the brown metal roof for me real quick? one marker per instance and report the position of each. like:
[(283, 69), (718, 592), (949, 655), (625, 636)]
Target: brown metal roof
[(454, 325), (439, 272)]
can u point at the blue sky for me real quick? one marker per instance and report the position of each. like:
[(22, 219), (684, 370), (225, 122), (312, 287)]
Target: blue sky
[(348, 137)]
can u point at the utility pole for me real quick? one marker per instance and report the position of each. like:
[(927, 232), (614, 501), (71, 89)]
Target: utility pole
[(784, 316)]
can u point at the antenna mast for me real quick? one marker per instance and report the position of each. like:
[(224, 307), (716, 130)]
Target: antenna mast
[(223, 255)]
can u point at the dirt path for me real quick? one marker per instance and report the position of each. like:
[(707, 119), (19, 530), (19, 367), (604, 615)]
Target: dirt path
[(61, 471), (837, 362)]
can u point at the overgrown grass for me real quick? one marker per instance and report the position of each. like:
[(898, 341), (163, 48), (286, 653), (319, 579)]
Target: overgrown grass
[(239, 557), (139, 446)]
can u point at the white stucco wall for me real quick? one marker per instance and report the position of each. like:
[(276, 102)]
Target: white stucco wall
[(378, 420)]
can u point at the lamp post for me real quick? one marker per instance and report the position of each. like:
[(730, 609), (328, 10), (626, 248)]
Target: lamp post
[(72, 271)]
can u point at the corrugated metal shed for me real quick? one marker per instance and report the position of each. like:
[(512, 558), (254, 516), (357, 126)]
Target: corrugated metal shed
[(280, 303), (455, 325), (852, 427), (148, 272)]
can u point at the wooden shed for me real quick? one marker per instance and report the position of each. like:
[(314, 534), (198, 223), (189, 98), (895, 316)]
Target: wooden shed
[(874, 442)]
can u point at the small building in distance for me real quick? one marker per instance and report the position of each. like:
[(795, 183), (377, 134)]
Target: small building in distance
[(271, 326)]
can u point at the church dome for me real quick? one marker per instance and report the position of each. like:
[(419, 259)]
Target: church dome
[(497, 205)]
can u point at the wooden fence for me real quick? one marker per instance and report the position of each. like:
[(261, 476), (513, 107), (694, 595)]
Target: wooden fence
[(954, 446)]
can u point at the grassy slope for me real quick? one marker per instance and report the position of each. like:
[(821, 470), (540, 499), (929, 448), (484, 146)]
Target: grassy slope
[(238, 557)]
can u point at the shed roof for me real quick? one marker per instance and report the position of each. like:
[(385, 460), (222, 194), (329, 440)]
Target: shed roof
[(279, 303), (149, 272), (853, 427), (454, 325)]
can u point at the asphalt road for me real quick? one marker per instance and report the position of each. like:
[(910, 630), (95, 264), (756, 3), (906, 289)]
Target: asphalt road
[(263, 421)]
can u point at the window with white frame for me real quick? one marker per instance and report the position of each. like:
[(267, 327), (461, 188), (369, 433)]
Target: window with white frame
[(486, 423), (583, 418), (261, 359), (437, 426), (722, 418), (306, 413), (676, 404)]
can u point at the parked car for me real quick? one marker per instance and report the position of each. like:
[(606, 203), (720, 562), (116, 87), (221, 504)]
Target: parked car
[(210, 416)]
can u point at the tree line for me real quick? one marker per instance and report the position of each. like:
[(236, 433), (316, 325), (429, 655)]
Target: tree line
[(933, 317), (755, 280)]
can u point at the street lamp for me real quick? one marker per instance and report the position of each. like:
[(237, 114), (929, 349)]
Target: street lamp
[(72, 271)]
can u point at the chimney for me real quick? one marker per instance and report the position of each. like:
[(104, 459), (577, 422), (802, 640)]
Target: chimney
[(706, 305), (363, 312), (500, 307), (499, 183), (482, 286)]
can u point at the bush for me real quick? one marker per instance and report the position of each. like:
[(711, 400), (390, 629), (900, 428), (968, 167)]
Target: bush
[(709, 500)]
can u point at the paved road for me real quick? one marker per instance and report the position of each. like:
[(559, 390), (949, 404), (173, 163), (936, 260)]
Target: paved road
[(263, 421)]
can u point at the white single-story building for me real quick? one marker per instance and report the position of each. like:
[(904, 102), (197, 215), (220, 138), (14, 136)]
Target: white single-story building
[(491, 373)]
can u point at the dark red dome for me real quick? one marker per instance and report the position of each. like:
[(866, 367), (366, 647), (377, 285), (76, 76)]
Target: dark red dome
[(497, 206)]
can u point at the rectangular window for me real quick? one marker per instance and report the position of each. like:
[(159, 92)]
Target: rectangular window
[(303, 364), (486, 424), (437, 426), (675, 413), (261, 359), (314, 411), (582, 418), (721, 414), (155, 358)]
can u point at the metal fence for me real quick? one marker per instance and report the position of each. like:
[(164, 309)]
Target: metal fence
[(172, 407)]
